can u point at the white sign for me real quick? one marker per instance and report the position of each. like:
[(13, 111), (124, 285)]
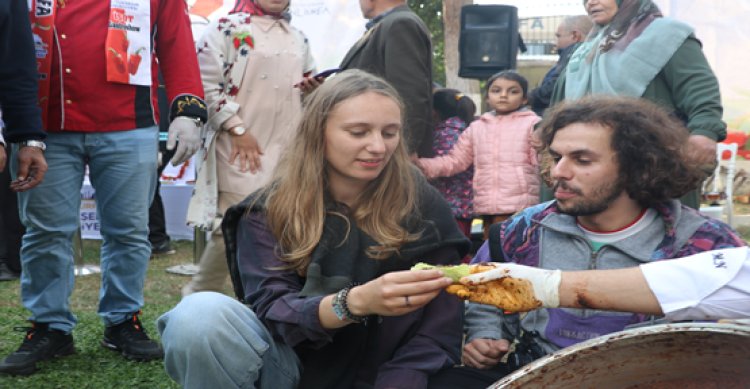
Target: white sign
[(175, 198), (332, 26), (88, 218)]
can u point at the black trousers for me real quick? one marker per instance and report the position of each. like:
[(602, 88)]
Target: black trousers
[(157, 223), (11, 229)]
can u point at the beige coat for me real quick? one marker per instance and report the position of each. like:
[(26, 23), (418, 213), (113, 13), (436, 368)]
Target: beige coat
[(249, 86)]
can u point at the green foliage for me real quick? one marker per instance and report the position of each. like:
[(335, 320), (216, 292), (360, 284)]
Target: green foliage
[(431, 13)]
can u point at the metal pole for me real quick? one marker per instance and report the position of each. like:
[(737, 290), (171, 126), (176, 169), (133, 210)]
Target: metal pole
[(81, 269), (199, 245)]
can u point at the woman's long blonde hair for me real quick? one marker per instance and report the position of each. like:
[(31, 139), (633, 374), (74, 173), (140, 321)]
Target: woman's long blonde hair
[(295, 199)]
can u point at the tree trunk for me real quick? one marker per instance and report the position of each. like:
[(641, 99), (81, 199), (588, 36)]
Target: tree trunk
[(452, 28)]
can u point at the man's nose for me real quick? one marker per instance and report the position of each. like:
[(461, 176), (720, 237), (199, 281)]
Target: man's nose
[(560, 169)]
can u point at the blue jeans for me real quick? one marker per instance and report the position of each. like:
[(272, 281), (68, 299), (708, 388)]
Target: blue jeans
[(122, 170), (213, 341)]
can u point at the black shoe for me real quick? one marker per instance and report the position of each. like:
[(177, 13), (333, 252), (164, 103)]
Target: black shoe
[(41, 343), (131, 340), (162, 248), (6, 274)]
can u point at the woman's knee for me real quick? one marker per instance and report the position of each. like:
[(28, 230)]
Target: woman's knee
[(217, 333), (202, 318)]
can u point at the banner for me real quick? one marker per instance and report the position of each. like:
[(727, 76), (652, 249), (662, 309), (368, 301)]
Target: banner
[(332, 26), (89, 221), (174, 196)]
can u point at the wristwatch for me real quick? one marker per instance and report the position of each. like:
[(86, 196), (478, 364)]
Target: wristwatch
[(198, 122), (33, 143), (238, 130)]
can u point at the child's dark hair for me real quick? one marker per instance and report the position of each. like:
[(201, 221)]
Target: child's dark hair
[(508, 75), (451, 102)]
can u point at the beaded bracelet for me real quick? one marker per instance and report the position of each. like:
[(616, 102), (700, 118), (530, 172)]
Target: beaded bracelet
[(341, 308)]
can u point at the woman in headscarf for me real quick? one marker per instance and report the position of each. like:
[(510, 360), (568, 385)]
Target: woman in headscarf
[(249, 61), (634, 51)]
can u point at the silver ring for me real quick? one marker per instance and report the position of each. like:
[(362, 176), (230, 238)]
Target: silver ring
[(406, 298)]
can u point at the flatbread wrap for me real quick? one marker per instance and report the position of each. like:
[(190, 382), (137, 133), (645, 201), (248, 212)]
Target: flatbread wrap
[(507, 293)]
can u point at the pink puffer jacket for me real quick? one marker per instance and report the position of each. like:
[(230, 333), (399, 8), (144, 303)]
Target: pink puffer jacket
[(506, 177)]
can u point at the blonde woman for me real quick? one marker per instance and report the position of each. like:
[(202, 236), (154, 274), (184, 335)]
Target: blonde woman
[(322, 256)]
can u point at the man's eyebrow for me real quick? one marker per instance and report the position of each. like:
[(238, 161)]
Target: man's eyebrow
[(576, 152)]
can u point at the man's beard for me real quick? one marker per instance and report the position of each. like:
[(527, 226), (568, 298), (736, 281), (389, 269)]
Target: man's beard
[(599, 200)]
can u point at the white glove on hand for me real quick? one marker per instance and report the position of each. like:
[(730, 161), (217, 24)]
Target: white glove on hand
[(546, 283), (187, 132)]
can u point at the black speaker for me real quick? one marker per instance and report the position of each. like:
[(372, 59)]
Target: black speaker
[(488, 41)]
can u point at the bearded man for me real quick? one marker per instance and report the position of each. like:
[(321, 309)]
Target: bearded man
[(616, 165)]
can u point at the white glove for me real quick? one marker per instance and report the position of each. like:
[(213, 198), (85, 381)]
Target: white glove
[(187, 132), (546, 283)]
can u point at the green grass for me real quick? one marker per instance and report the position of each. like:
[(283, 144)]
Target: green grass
[(94, 366), (744, 231)]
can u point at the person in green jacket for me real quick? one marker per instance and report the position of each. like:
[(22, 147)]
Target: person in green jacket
[(634, 51)]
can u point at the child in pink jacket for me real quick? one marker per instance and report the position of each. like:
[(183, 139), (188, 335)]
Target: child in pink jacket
[(506, 177)]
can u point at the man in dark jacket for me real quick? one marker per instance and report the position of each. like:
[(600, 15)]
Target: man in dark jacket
[(397, 47), (23, 126), (569, 35)]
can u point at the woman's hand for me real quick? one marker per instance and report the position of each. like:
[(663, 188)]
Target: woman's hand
[(397, 293), (484, 353), (245, 147), (309, 84)]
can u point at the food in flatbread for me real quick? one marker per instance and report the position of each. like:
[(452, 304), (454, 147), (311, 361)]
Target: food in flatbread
[(454, 272), (507, 293)]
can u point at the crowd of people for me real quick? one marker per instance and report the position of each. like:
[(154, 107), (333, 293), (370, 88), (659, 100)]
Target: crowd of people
[(322, 191)]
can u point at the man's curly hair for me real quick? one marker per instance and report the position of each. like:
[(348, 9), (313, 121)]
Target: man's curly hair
[(650, 145)]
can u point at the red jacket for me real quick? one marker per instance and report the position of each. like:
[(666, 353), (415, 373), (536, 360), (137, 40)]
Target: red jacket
[(80, 97)]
